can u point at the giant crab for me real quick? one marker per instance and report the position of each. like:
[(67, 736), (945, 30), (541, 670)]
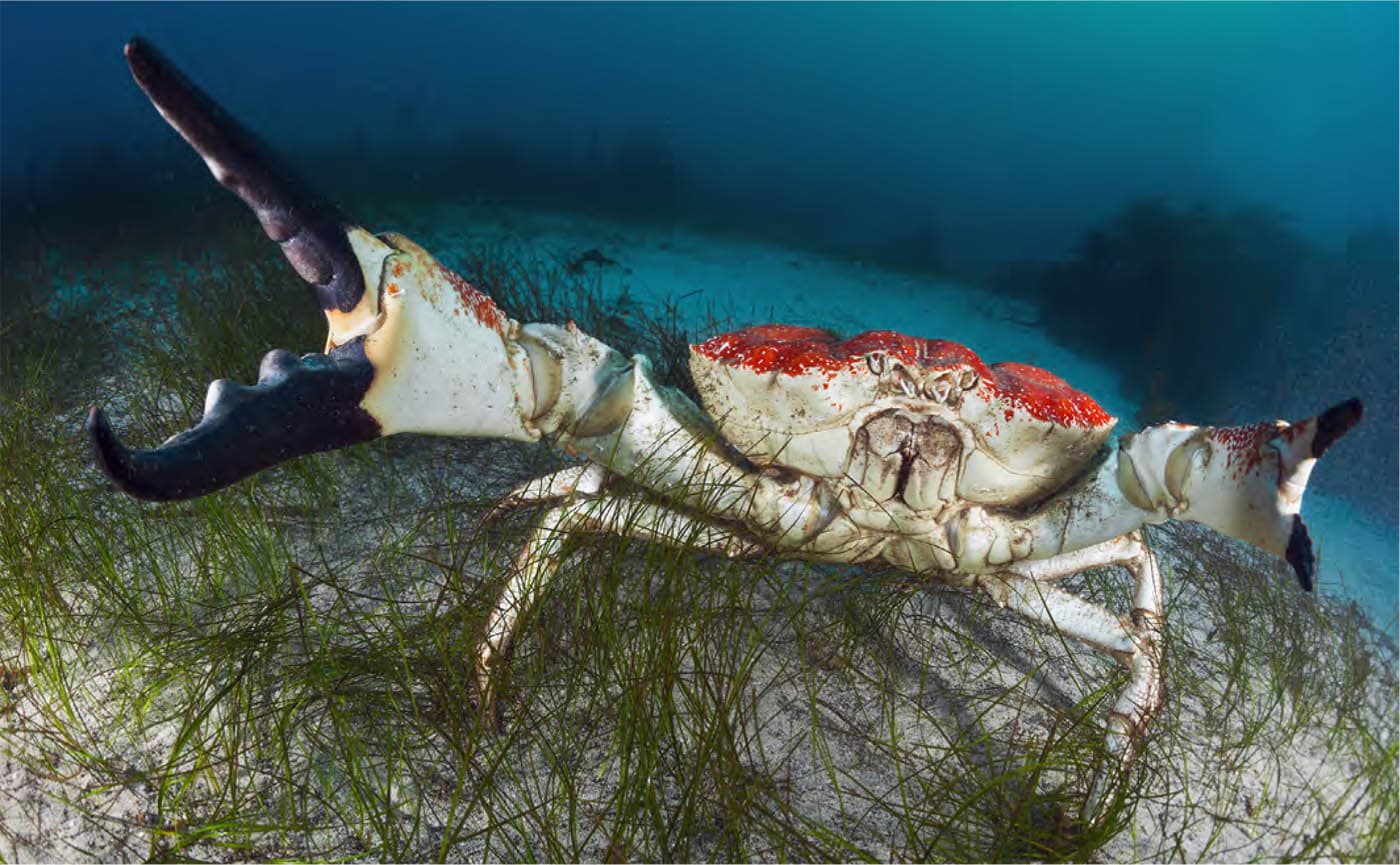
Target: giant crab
[(879, 448)]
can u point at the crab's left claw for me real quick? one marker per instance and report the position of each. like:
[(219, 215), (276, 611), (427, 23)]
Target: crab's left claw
[(297, 406), (411, 346), (1244, 481)]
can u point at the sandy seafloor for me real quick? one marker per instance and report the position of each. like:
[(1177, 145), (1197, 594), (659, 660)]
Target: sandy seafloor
[(740, 282)]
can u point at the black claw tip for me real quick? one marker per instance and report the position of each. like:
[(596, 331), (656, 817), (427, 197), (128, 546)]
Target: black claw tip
[(1335, 423), (296, 408), (1300, 554), (106, 450)]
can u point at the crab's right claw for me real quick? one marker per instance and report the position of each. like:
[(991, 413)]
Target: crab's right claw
[(411, 346)]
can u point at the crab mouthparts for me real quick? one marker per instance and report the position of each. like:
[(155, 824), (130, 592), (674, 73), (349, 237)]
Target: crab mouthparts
[(297, 407)]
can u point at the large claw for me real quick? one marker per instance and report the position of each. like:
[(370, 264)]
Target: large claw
[(412, 347)]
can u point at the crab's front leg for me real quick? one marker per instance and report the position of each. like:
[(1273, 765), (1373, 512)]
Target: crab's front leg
[(634, 516)]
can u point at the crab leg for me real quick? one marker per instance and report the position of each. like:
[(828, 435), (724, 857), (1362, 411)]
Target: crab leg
[(1136, 642), (626, 515), (585, 480)]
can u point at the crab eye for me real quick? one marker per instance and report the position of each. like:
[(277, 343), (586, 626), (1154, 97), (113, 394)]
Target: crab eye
[(876, 362), (906, 384), (969, 379)]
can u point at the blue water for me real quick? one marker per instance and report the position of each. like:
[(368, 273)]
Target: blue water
[(956, 139)]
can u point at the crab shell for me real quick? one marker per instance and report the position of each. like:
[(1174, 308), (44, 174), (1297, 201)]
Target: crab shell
[(797, 397)]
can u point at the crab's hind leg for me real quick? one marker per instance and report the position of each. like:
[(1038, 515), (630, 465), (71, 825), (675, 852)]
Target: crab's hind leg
[(632, 516), (1135, 641)]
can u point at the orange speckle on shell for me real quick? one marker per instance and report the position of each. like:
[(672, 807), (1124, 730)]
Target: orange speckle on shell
[(476, 303), (1244, 446)]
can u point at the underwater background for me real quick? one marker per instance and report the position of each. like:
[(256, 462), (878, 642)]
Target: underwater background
[(1196, 201)]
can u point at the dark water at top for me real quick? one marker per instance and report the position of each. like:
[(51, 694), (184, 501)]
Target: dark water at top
[(1010, 127)]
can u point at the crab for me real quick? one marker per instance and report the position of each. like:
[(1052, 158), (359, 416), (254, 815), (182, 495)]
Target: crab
[(881, 448)]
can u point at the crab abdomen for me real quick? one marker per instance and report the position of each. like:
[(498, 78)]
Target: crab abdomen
[(799, 397)]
